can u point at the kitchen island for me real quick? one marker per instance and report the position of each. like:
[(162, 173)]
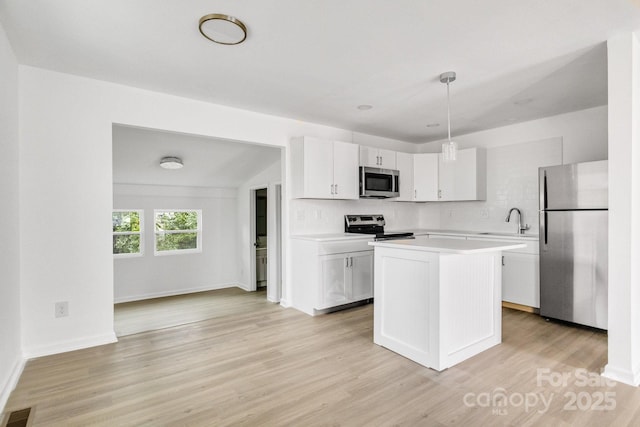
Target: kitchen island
[(438, 301)]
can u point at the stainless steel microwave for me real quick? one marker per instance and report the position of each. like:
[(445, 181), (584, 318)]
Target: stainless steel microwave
[(379, 183)]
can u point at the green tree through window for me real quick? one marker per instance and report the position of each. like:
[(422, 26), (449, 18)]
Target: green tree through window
[(177, 231), (127, 232)]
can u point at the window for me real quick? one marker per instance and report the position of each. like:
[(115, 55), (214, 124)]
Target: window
[(127, 233), (178, 231)]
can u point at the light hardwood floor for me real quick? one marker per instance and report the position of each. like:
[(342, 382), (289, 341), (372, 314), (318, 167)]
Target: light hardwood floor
[(271, 366), (159, 313)]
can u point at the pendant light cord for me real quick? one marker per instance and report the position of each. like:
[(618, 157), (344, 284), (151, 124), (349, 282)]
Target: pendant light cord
[(448, 112)]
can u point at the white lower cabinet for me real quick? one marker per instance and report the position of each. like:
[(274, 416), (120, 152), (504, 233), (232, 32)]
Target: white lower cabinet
[(345, 278), (330, 274), (521, 279), (520, 273)]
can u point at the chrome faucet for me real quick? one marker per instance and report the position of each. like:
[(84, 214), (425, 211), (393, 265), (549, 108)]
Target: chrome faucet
[(521, 229)]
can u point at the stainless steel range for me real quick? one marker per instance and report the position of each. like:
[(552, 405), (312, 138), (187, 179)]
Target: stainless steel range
[(371, 224)]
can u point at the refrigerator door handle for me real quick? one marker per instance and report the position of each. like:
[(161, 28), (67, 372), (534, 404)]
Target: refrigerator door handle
[(543, 190), (543, 229)]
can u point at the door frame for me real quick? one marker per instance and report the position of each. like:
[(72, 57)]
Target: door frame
[(274, 239)]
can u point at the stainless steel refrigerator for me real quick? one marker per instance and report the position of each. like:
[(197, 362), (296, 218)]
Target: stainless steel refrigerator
[(573, 243)]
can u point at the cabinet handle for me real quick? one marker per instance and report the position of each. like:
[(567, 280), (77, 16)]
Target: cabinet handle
[(346, 262), (415, 194), (332, 189), (439, 194), (336, 187), (503, 260)]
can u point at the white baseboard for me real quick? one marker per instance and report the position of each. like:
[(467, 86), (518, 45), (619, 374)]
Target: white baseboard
[(11, 383), (243, 286), (171, 293), (622, 375), (70, 345), (285, 303)]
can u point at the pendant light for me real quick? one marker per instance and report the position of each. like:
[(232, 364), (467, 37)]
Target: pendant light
[(450, 148)]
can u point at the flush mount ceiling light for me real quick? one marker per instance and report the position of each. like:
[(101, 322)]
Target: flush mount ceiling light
[(171, 163), (364, 107), (450, 148), (222, 29)]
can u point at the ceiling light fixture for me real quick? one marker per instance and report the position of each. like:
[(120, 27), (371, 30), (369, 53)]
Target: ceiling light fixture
[(364, 107), (450, 148), (171, 163), (222, 29), (433, 125)]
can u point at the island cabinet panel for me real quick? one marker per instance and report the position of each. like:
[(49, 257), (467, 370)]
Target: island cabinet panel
[(470, 304), (405, 307), (437, 309)]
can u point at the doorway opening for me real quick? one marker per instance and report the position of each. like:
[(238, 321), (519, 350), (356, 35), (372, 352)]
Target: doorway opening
[(266, 240), (261, 237), (183, 250)]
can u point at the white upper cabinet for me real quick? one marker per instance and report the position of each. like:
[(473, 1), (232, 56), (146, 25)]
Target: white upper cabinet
[(465, 177), (323, 169), (425, 177), (418, 177), (377, 158), (346, 180), (404, 163)]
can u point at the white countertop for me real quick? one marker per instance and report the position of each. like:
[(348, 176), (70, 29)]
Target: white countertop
[(479, 234), (418, 232), (334, 236), (453, 246)]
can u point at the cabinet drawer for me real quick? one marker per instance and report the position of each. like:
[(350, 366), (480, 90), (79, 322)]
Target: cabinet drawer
[(328, 248)]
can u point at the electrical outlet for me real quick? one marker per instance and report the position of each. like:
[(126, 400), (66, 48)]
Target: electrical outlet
[(62, 309), (484, 213)]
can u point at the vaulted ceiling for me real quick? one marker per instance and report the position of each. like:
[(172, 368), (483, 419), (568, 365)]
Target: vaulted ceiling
[(318, 60)]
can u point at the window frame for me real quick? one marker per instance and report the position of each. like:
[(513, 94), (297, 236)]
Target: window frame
[(198, 231), (128, 233)]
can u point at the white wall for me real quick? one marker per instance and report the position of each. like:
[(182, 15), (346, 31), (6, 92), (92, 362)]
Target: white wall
[(150, 276), (584, 135), (623, 52), (10, 349), (272, 174), (65, 124)]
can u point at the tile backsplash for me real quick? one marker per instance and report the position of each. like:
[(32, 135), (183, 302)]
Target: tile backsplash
[(309, 216), (512, 181)]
